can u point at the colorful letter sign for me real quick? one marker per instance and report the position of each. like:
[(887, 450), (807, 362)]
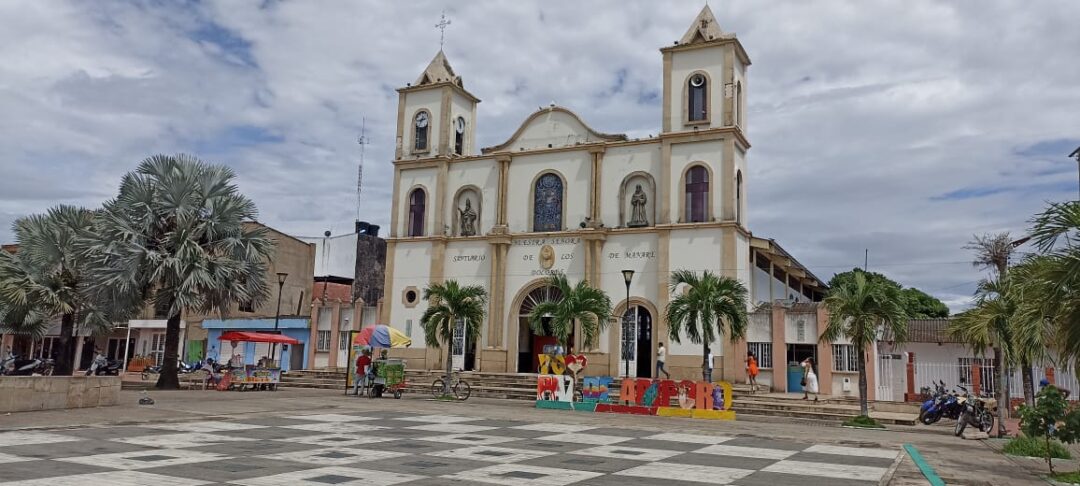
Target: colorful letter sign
[(638, 396)]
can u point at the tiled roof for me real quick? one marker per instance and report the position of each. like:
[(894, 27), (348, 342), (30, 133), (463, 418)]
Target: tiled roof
[(927, 331), (334, 292)]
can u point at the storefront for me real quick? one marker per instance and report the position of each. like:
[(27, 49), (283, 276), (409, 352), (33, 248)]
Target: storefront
[(293, 356)]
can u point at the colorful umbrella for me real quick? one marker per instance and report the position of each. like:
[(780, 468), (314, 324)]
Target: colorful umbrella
[(381, 336)]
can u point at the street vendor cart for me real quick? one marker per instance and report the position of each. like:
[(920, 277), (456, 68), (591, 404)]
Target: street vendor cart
[(373, 376), (265, 375)]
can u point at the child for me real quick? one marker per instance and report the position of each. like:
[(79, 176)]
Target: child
[(752, 371)]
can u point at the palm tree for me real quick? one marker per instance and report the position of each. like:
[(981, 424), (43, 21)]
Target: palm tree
[(1052, 279), (997, 321), (709, 304), (175, 237), (46, 279), (993, 252), (860, 310), (447, 303), (579, 304)]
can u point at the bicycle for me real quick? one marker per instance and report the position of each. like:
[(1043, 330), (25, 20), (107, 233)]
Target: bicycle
[(459, 388)]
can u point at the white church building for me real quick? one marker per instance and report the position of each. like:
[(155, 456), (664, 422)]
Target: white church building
[(561, 197)]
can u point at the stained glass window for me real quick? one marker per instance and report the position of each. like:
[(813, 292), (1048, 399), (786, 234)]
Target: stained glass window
[(547, 203)]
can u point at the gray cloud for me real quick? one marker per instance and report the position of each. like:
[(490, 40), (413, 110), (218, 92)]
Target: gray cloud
[(899, 127)]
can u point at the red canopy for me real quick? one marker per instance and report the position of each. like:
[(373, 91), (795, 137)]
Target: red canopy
[(257, 337)]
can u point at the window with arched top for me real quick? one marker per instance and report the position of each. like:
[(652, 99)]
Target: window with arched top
[(697, 195), (459, 136), (548, 203), (696, 97), (738, 197), (417, 210), (421, 125)]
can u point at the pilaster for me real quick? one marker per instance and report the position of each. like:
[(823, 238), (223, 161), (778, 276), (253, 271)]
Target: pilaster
[(779, 350)]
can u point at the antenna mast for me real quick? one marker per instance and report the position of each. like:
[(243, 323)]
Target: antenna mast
[(362, 141)]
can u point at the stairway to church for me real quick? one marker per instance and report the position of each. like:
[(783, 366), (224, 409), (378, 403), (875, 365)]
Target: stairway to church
[(514, 386)]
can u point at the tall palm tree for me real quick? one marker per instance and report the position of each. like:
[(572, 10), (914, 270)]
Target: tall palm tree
[(580, 304), (709, 304), (1052, 279), (447, 303), (993, 252), (860, 310), (46, 279), (175, 237), (997, 321)]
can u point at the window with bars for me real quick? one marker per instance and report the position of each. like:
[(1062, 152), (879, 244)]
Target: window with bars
[(248, 306), (845, 357), (986, 373), (343, 340), (763, 353), (322, 341)]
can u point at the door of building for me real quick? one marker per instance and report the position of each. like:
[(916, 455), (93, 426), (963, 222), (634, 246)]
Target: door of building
[(296, 356), (636, 343), (796, 353), (157, 347), (457, 348)]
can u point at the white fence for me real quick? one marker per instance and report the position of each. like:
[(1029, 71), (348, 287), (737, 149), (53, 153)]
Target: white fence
[(954, 374), (1063, 378)]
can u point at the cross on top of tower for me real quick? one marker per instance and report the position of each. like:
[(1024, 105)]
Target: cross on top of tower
[(443, 22)]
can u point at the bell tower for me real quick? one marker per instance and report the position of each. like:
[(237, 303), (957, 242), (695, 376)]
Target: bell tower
[(436, 115), (704, 78)]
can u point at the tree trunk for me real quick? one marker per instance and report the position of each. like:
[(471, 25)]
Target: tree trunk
[(1029, 385), (704, 363), (168, 380), (864, 409), (449, 356), (999, 392), (65, 356)]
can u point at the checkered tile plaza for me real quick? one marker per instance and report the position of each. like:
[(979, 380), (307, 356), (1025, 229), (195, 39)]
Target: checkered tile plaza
[(396, 448)]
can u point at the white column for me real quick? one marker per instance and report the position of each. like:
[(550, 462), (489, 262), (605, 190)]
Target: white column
[(127, 347)]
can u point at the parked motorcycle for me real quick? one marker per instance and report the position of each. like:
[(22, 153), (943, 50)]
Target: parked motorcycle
[(13, 365), (946, 404), (181, 368), (104, 366), (978, 412)]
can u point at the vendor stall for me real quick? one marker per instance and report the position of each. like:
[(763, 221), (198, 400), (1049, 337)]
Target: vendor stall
[(383, 374), (264, 375)]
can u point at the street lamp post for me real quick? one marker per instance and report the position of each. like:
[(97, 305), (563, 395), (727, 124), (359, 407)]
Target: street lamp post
[(628, 275), (281, 276), (1076, 154)]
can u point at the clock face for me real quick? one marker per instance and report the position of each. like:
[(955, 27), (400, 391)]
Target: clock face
[(422, 120), (460, 125)]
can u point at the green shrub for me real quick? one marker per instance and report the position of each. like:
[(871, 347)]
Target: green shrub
[(864, 422), (1069, 477), (1035, 447)]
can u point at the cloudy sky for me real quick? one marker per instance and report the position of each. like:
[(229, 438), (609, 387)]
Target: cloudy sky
[(901, 127)]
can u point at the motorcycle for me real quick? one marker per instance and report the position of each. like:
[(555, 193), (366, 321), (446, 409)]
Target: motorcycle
[(16, 366), (181, 368), (978, 412), (946, 404), (104, 366), (930, 411)]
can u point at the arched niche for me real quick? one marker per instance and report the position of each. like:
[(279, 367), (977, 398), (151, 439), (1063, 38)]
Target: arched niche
[(626, 199), (467, 209)]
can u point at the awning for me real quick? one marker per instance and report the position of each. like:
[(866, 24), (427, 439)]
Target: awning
[(257, 337)]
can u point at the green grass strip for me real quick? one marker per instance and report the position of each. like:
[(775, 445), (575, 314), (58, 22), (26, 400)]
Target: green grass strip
[(923, 466)]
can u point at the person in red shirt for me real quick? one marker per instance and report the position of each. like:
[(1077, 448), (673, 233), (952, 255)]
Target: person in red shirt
[(363, 361)]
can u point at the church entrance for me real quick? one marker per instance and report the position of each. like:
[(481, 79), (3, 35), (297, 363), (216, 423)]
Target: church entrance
[(636, 343), (530, 344)]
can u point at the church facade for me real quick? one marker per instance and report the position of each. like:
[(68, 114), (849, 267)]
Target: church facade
[(559, 197)]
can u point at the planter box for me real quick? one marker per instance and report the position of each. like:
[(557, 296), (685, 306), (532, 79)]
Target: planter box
[(28, 393)]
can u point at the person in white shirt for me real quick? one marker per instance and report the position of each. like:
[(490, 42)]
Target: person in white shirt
[(661, 356)]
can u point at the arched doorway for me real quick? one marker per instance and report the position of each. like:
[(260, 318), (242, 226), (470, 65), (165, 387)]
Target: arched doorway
[(637, 342), (530, 345)]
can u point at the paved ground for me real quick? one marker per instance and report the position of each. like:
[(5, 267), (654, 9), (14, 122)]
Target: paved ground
[(319, 437)]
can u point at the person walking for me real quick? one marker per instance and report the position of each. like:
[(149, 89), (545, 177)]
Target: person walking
[(661, 356), (809, 380), (752, 371)]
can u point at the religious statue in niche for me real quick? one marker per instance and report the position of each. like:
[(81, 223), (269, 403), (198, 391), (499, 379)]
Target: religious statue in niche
[(638, 218), (467, 219)]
